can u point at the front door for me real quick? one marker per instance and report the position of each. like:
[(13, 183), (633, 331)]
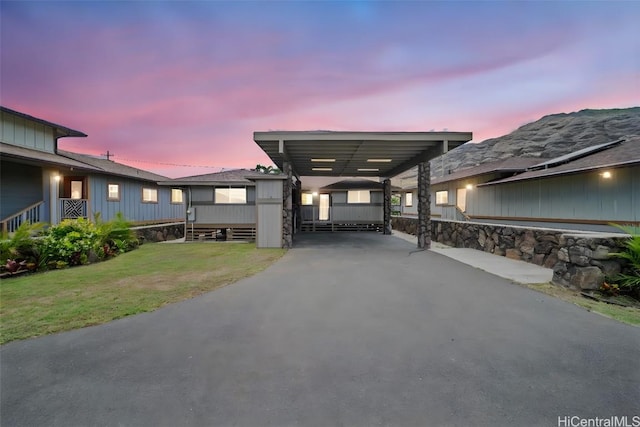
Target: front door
[(323, 214), (74, 188)]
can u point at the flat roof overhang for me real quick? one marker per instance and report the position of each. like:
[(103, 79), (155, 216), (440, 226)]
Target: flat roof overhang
[(364, 154)]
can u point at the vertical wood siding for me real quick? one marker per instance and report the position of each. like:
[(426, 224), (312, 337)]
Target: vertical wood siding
[(20, 186), (225, 214), (357, 213), (583, 196), (269, 225), (18, 131), (269, 207), (130, 203), (269, 190)]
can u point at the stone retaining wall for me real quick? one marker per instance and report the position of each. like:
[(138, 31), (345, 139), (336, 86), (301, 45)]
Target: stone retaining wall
[(160, 232), (579, 260)]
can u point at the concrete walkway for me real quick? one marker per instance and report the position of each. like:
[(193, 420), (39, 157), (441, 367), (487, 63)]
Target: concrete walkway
[(514, 270), (346, 330)]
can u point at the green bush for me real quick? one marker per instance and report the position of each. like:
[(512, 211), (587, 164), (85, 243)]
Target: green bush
[(72, 242), (21, 247), (69, 243), (629, 278)]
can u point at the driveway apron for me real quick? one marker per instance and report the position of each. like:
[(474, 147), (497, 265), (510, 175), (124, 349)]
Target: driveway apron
[(347, 329)]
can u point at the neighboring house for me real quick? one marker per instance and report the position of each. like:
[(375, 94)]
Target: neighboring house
[(40, 183), (449, 193), (586, 189), (346, 205), (222, 205), (115, 187)]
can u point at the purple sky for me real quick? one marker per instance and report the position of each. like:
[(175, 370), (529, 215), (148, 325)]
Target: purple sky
[(189, 82)]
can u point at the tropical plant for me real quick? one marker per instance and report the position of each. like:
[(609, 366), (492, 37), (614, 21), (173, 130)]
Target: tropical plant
[(629, 278), (69, 243), (270, 170), (22, 245), (116, 234)]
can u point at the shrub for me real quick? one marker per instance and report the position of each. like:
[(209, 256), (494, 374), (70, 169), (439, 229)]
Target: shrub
[(21, 246), (69, 242), (629, 278), (79, 241), (72, 242)]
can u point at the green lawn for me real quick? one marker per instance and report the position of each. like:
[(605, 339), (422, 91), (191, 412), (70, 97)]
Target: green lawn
[(135, 282)]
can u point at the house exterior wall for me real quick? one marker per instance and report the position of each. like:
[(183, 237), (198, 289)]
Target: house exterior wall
[(206, 211), (413, 209), (581, 196), (20, 187), (269, 205), (225, 214), (341, 211), (130, 203), (24, 133)]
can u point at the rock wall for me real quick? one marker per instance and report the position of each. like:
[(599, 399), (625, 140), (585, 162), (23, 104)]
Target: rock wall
[(578, 260), (160, 232)]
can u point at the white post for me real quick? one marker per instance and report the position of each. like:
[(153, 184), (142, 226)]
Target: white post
[(54, 182)]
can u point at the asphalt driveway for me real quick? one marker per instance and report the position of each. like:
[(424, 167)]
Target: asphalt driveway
[(351, 329)]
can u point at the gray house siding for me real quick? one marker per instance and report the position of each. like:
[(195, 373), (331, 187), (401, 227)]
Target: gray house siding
[(582, 196), (28, 134), (21, 186), (130, 203), (207, 211), (269, 214)]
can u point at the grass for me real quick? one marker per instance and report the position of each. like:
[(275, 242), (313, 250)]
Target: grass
[(136, 282), (627, 315)]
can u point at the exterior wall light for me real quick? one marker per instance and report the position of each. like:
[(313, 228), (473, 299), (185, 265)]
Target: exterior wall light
[(56, 177), (606, 175), (469, 187), (314, 194)]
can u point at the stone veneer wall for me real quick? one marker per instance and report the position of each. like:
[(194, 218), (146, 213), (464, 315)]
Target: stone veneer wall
[(160, 232), (579, 260)]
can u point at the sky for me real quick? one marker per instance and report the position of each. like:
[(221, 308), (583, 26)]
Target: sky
[(161, 84)]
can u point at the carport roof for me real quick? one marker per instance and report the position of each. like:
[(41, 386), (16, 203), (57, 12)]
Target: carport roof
[(373, 154)]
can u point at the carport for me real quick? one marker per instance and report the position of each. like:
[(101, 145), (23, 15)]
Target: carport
[(381, 155)]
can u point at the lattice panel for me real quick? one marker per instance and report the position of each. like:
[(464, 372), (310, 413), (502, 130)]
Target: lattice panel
[(73, 208)]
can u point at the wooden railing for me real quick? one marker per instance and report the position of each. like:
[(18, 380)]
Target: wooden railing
[(73, 208), (30, 214)]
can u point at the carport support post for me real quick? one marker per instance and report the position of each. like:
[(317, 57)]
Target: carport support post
[(387, 206), (424, 205), (287, 207)]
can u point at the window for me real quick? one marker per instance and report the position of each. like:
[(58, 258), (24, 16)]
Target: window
[(307, 199), (231, 196), (358, 196), (176, 195), (113, 192), (149, 195), (442, 197), (76, 190), (408, 199)]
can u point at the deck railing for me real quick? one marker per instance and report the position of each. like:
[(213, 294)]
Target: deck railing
[(73, 208), (31, 214)]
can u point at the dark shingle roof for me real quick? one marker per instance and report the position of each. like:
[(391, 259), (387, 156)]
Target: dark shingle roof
[(234, 176), (38, 156), (624, 154), (513, 164), (113, 168), (354, 184)]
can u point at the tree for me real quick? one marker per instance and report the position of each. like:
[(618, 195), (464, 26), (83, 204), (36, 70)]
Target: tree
[(270, 170)]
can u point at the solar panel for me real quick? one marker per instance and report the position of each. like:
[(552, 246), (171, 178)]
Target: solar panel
[(574, 155)]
